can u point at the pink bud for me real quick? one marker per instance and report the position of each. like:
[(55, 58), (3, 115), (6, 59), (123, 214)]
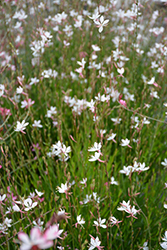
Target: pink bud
[(123, 103)]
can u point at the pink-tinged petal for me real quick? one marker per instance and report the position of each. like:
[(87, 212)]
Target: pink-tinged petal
[(52, 233), (46, 245), (35, 233), (22, 132), (24, 237), (101, 161), (25, 247)]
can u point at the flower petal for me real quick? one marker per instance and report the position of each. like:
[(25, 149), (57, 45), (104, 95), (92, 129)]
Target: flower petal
[(101, 29), (24, 237), (46, 245), (35, 233)]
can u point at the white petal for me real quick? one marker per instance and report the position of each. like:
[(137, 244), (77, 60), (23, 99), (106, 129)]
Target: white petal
[(24, 237), (46, 245), (101, 29), (35, 233), (25, 247)]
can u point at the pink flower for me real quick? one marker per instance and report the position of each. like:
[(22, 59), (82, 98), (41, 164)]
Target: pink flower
[(35, 239), (123, 103), (52, 232), (5, 112), (38, 239)]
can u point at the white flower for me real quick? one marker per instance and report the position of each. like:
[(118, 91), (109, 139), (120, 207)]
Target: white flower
[(125, 206), (165, 206), (164, 163), (60, 150), (95, 118), (145, 121), (164, 244), (147, 105), (37, 124), (9, 210), (101, 98), (100, 223), (95, 16), (126, 170), (94, 243), (20, 15), (151, 81), (3, 228), (100, 23), (51, 112), (95, 47), (19, 90), (145, 246), (80, 220), (116, 120), (21, 126), (142, 167), (7, 222), (154, 94), (82, 63), (120, 71), (26, 103), (33, 81), (63, 188), (96, 147), (87, 199), (125, 143), (38, 224), (96, 198), (84, 180), (95, 157), (16, 208), (39, 193), (114, 221), (113, 182), (111, 137), (29, 204)]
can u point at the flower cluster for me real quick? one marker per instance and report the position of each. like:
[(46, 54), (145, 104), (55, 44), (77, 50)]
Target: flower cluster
[(125, 206), (60, 150), (96, 147), (5, 225), (137, 167)]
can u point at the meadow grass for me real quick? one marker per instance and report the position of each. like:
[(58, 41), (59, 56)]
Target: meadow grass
[(82, 125)]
